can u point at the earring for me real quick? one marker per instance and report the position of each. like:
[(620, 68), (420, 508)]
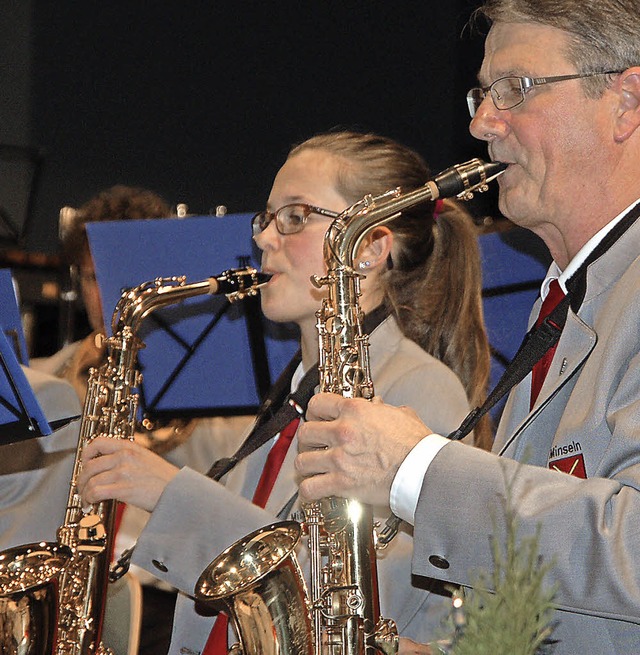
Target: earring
[(364, 265)]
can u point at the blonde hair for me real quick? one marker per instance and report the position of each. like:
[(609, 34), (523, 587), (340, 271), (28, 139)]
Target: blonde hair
[(433, 286)]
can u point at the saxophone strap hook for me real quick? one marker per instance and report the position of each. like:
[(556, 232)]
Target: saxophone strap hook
[(388, 533), (122, 565)]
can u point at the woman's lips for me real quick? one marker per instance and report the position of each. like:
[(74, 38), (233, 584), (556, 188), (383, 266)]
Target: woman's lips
[(273, 275)]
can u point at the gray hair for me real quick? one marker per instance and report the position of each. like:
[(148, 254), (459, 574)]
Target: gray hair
[(604, 35)]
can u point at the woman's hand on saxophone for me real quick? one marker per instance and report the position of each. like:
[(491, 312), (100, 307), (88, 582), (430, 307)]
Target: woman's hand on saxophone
[(123, 470), (353, 448)]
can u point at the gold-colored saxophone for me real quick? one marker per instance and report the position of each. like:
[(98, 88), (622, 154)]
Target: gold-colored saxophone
[(258, 581), (52, 595)]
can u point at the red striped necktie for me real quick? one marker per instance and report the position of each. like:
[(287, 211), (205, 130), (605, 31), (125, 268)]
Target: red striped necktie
[(540, 369), (217, 641)]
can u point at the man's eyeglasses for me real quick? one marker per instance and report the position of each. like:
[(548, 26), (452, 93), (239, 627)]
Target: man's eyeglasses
[(290, 219), (509, 92)]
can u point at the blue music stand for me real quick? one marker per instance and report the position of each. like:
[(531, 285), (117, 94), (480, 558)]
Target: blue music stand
[(202, 356), (10, 317), (21, 417)]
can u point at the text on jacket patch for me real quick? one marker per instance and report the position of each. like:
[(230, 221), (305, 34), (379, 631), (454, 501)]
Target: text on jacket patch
[(568, 459)]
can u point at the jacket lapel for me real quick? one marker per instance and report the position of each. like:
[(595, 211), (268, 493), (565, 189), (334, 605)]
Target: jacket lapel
[(575, 345), (579, 343)]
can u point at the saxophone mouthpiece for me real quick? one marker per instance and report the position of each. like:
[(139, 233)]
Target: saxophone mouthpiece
[(463, 179), (263, 278), (494, 169), (238, 283)]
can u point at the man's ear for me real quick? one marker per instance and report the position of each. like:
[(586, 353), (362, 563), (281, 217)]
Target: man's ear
[(628, 116), (375, 248)]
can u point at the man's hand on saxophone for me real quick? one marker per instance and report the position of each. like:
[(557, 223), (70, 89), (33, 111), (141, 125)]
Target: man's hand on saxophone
[(354, 447), (123, 470)]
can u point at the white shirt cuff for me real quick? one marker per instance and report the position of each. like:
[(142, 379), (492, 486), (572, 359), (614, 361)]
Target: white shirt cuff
[(407, 484)]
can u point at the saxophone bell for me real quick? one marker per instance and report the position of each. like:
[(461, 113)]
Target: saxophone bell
[(28, 612), (258, 583)]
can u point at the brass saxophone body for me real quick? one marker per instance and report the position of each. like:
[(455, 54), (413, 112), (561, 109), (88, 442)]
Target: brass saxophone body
[(342, 606), (52, 595)]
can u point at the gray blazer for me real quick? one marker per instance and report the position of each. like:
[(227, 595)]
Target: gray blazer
[(197, 518), (35, 475), (587, 414)]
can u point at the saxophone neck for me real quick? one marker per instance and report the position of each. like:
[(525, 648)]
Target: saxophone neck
[(137, 303), (348, 230)]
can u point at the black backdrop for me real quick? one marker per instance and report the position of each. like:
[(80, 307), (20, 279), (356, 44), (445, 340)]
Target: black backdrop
[(201, 100)]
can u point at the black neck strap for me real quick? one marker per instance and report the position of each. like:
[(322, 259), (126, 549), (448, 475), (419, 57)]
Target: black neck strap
[(535, 345), (269, 422), (539, 339)]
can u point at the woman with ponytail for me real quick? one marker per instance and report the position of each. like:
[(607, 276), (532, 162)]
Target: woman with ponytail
[(432, 281), (428, 350)]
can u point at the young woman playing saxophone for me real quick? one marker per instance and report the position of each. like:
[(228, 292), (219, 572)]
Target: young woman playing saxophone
[(428, 350)]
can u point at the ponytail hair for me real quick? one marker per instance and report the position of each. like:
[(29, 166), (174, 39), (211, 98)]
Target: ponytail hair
[(438, 303), (433, 285)]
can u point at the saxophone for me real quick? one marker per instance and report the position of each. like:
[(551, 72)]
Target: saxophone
[(52, 595), (257, 580)]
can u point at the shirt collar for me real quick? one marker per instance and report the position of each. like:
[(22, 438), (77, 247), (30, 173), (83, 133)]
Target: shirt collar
[(554, 272)]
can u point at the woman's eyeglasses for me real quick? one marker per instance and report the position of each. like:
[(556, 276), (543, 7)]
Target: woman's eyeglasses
[(289, 219)]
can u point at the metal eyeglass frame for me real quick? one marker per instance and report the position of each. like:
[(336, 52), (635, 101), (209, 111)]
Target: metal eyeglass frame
[(477, 94)]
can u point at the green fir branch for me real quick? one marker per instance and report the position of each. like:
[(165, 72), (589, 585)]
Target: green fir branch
[(516, 617)]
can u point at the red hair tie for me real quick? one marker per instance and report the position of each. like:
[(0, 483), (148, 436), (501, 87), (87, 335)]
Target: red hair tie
[(438, 209)]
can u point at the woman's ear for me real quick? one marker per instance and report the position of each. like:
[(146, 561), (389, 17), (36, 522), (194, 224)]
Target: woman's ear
[(375, 249), (628, 114)]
